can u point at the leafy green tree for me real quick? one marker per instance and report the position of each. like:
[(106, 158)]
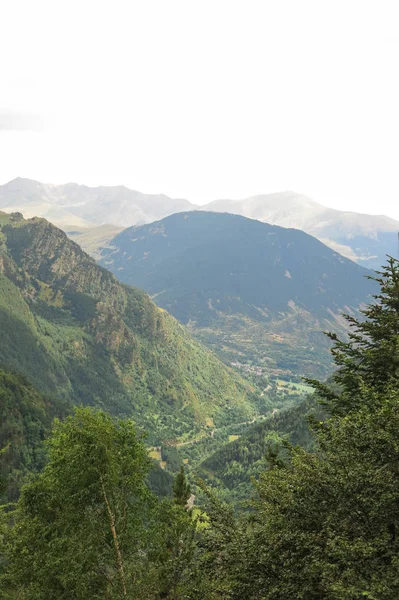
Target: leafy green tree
[(81, 526), (326, 524), (220, 550), (176, 541)]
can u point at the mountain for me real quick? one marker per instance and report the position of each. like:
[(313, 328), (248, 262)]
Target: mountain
[(250, 290), (366, 239), (25, 418), (72, 206), (80, 335), (232, 467)]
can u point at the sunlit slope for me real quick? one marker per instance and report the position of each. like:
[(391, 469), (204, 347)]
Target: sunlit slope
[(76, 332)]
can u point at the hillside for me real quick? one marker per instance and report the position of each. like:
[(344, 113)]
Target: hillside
[(231, 468), (366, 239), (80, 335), (25, 419), (251, 291)]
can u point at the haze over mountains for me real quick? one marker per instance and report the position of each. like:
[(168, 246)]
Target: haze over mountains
[(82, 206), (366, 239), (250, 290), (363, 238)]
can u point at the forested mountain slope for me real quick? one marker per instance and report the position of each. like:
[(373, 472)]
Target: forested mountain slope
[(231, 468), (80, 335), (25, 420), (250, 290)]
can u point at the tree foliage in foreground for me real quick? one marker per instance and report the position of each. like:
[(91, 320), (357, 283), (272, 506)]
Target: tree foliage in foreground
[(88, 527), (326, 524)]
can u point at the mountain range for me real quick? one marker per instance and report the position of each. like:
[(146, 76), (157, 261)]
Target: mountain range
[(366, 239), (78, 334), (249, 290), (72, 206)]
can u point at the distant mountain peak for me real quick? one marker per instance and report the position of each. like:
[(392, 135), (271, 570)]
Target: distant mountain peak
[(74, 205), (367, 239), (364, 238), (245, 287)]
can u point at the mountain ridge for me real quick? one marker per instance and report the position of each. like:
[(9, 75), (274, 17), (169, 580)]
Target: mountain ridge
[(85, 206), (366, 239), (222, 274), (361, 237)]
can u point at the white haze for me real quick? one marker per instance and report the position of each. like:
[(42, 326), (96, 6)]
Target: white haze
[(205, 100)]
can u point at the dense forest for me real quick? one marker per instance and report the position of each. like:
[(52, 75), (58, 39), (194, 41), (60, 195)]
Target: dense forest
[(25, 421), (323, 522), (232, 467)]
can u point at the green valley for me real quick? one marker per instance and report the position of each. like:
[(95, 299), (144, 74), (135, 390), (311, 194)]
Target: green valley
[(231, 468), (78, 334), (97, 517), (199, 381)]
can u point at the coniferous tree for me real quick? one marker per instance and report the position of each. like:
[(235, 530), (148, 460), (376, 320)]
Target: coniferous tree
[(369, 360), (176, 530), (181, 488)]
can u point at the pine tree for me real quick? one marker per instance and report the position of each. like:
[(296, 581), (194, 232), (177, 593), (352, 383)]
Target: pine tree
[(369, 360), (181, 488)]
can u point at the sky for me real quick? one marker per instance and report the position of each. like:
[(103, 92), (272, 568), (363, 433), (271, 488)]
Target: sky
[(205, 99)]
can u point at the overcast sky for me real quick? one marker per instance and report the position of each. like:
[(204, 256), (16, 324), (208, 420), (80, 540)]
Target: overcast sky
[(205, 99)]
